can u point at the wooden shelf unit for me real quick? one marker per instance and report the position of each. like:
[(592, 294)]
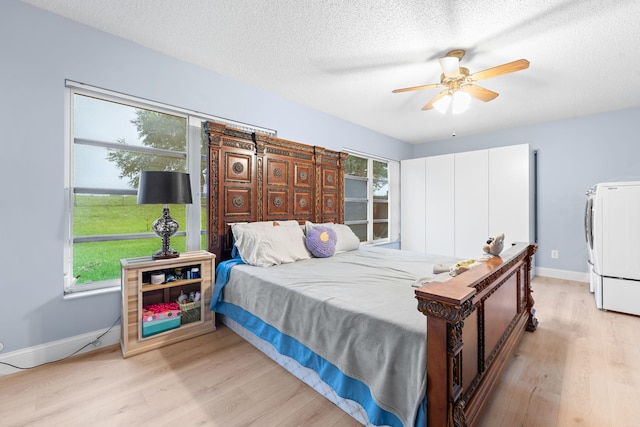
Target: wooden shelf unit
[(137, 291)]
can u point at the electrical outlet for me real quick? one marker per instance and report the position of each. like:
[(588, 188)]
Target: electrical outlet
[(554, 254)]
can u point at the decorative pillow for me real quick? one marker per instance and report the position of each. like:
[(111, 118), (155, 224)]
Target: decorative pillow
[(346, 238), (263, 245), (321, 241)]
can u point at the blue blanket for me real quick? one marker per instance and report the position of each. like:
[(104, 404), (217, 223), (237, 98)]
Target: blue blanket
[(223, 271)]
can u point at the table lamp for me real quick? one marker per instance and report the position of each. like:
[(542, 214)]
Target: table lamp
[(164, 187)]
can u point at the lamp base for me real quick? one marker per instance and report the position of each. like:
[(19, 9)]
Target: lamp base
[(162, 254), (165, 227)]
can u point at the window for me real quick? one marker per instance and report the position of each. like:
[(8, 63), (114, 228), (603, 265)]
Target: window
[(366, 204), (112, 138)]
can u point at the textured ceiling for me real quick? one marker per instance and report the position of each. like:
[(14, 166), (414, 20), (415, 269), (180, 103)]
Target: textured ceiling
[(344, 57)]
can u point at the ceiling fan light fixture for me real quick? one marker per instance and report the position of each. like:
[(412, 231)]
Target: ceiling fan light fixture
[(461, 101), (460, 85), (450, 66), (458, 101), (442, 104)]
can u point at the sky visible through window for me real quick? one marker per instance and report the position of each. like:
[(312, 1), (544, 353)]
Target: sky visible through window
[(103, 121)]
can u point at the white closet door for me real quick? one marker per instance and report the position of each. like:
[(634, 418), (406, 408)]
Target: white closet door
[(509, 192), (471, 203), (412, 196), (439, 212)]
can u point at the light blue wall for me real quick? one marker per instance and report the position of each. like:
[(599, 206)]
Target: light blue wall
[(573, 155), (38, 51)]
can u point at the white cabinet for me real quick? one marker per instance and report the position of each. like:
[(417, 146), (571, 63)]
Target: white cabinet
[(439, 210), (509, 193), (412, 205), (427, 201), (451, 204), (471, 203)]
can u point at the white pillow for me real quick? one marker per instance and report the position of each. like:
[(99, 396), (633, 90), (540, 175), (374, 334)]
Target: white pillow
[(263, 245), (346, 238), (261, 225)]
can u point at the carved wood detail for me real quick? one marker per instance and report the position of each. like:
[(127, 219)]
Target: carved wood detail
[(260, 189), (238, 144), (443, 310), (302, 203), (212, 201), (302, 175), (267, 178), (277, 172), (238, 167)]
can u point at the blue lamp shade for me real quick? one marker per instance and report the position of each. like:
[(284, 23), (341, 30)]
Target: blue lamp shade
[(164, 188)]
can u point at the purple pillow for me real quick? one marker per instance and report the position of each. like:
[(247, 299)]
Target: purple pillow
[(321, 241)]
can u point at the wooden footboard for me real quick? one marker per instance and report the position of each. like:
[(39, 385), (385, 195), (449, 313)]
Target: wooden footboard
[(474, 323)]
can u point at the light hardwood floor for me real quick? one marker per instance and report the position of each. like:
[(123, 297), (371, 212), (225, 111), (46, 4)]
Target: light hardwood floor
[(580, 368)]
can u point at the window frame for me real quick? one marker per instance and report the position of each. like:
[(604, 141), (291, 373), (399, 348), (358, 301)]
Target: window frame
[(370, 199), (193, 230)]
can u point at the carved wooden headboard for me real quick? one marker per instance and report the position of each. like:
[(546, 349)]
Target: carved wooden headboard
[(254, 177)]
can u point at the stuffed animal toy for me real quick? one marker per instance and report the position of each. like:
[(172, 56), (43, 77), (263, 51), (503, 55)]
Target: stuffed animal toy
[(321, 241), (494, 245), (461, 267)]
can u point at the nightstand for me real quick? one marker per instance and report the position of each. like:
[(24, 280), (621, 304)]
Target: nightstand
[(191, 273)]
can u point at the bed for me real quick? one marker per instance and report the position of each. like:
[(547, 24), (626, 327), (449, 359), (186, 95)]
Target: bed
[(380, 370)]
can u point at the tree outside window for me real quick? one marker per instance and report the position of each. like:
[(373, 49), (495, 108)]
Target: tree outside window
[(112, 143), (367, 198)]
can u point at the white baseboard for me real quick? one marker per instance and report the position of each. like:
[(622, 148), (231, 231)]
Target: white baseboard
[(577, 276), (56, 350)]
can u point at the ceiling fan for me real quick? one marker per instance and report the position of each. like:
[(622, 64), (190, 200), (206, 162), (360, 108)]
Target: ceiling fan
[(459, 84)]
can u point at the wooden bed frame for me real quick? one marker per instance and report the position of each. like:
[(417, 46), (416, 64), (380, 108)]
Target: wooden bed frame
[(474, 324), (474, 321)]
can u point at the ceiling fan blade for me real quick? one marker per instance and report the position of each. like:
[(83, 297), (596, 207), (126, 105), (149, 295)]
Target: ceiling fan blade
[(407, 89), (480, 93), (435, 99), (509, 67)]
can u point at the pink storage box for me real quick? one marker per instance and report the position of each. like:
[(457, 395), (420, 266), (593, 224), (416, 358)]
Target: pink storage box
[(154, 323)]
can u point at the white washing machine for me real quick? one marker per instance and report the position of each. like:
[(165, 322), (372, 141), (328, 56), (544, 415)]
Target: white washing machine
[(595, 281), (613, 232)]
